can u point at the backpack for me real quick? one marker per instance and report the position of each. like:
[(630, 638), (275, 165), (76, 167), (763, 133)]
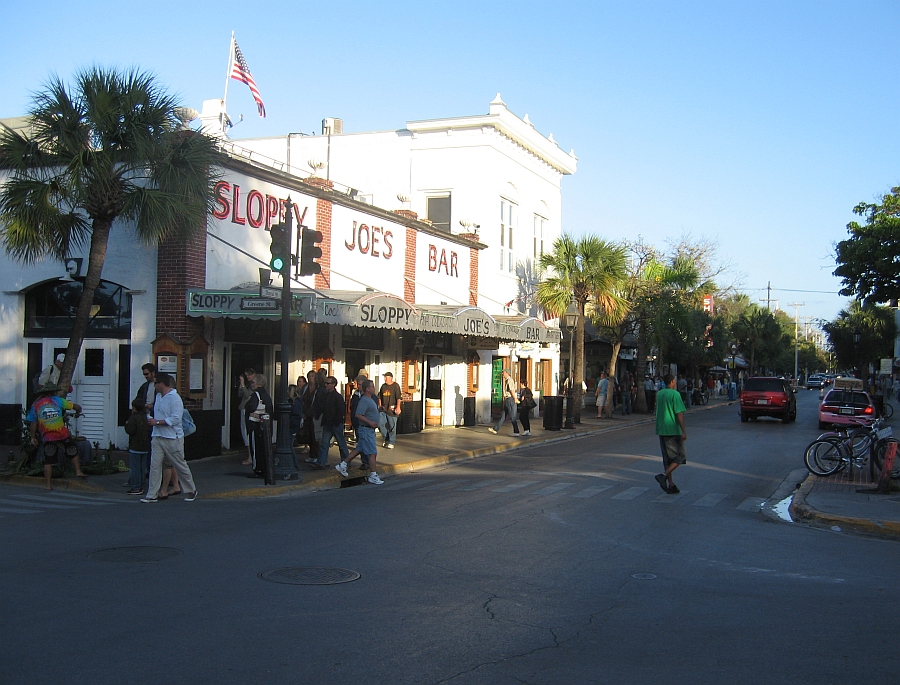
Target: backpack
[(187, 423)]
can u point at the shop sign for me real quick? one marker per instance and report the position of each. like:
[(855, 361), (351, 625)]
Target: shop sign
[(371, 240), (237, 305)]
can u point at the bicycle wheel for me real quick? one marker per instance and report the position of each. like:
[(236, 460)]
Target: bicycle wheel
[(888, 410), (860, 440), (881, 450), (824, 457)]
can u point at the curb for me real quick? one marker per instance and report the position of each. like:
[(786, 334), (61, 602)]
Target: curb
[(58, 484), (802, 511)]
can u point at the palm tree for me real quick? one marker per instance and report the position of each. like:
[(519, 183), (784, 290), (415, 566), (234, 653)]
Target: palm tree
[(112, 147), (755, 330), (586, 270)]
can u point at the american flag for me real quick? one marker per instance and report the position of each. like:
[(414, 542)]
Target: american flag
[(241, 72)]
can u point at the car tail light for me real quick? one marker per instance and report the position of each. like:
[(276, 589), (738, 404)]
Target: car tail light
[(867, 410)]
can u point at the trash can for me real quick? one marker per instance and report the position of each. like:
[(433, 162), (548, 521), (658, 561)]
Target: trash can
[(553, 412), (468, 411), (732, 391)]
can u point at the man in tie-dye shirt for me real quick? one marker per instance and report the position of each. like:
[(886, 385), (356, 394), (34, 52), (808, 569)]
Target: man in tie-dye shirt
[(47, 415)]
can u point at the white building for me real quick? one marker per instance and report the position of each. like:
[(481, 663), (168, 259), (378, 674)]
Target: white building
[(443, 304)]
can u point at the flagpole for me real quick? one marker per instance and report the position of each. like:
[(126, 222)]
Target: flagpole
[(228, 75)]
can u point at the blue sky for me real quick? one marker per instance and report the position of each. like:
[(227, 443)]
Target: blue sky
[(759, 125)]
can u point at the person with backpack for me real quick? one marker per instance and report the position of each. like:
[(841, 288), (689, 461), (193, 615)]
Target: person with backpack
[(47, 416)]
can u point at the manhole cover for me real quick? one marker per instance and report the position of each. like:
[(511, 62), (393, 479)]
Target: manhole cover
[(134, 554), (643, 576), (309, 575)]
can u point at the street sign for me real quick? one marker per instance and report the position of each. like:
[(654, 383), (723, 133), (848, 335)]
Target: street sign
[(259, 303), (274, 293)]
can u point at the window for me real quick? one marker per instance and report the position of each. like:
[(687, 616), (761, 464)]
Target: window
[(50, 310), (539, 225), (438, 210), (508, 220)]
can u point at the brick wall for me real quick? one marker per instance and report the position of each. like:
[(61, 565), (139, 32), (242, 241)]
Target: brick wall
[(323, 224), (473, 276)]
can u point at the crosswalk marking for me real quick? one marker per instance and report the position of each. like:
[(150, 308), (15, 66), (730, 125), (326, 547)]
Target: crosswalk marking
[(666, 498), (590, 492), (69, 500), (710, 500), (442, 485), (553, 489), (751, 504), (481, 484), (19, 503), (630, 493), (5, 510), (516, 486)]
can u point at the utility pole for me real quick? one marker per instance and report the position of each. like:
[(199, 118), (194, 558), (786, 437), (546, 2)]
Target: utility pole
[(768, 298), (796, 306)]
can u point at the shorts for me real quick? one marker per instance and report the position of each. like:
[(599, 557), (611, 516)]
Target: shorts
[(673, 452), (51, 453), (365, 442)]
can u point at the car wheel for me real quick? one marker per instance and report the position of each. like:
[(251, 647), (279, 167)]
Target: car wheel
[(744, 418), (787, 417)]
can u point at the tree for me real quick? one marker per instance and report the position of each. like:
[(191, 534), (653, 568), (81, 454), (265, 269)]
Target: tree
[(586, 270), (756, 331), (872, 324), (109, 148), (869, 260)]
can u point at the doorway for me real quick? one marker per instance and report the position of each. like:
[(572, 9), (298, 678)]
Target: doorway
[(355, 363), (242, 357)]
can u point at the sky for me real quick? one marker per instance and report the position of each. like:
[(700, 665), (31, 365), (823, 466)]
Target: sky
[(758, 126)]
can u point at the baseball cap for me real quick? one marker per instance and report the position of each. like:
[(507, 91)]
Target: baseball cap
[(60, 357), (388, 374)]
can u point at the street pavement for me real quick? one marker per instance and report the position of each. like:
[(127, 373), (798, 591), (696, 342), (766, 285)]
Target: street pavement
[(844, 502)]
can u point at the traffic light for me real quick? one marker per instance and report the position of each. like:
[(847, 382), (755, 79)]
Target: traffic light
[(281, 248), (310, 252)]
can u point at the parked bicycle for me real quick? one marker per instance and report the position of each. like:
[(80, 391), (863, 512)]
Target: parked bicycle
[(700, 397), (845, 448)]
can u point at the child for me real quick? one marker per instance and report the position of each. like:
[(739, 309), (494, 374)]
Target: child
[(138, 446)]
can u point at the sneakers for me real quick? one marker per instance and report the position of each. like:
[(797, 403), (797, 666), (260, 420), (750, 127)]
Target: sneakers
[(310, 460), (136, 491), (493, 430), (661, 479), (341, 468), (674, 490), (149, 500), (374, 479), (389, 445), (190, 496), (526, 432)]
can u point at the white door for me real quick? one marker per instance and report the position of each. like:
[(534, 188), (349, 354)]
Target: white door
[(93, 385)]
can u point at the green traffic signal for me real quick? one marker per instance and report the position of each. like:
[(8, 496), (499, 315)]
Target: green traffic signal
[(280, 248)]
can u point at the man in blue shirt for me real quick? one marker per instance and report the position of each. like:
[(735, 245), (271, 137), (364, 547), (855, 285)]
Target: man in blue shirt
[(367, 413)]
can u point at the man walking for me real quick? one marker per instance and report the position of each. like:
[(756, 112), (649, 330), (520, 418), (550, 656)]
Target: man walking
[(168, 441), (602, 391), (627, 385), (389, 403), (367, 413), (332, 423), (671, 432), (508, 392)]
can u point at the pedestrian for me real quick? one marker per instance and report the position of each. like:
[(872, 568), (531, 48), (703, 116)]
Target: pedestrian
[(627, 385), (313, 406), (332, 423), (508, 393), (602, 393), (671, 431), (389, 402), (354, 421), (367, 414), (50, 375), (138, 430), (47, 416), (168, 440), (526, 404), (650, 393), (260, 402), (147, 393), (296, 421)]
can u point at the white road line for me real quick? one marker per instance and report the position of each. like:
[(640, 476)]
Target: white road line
[(631, 493), (516, 486), (751, 504), (481, 484), (710, 500), (20, 511), (666, 498), (553, 489), (590, 492), (442, 485), (41, 506), (68, 500)]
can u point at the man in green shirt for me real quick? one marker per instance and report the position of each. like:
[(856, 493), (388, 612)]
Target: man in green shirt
[(671, 432)]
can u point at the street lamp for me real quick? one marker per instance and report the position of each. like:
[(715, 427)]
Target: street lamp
[(571, 324)]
